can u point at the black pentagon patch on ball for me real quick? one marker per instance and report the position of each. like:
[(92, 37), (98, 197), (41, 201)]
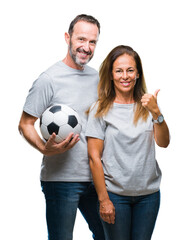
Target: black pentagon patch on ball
[(53, 128), (40, 122), (55, 109), (72, 121)]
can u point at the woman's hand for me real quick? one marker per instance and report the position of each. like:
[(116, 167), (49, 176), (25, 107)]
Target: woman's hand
[(149, 102), (161, 131), (107, 211)]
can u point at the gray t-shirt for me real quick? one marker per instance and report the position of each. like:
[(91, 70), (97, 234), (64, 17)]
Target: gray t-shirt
[(128, 159), (61, 84)]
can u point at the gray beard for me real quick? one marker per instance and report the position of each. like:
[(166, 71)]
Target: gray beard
[(75, 59)]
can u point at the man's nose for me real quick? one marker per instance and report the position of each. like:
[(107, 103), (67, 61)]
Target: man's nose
[(86, 46)]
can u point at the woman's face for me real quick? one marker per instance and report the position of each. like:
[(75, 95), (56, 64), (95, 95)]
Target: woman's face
[(125, 74)]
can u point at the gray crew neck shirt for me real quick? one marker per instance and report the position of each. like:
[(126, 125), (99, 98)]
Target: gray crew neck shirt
[(77, 89), (128, 159)]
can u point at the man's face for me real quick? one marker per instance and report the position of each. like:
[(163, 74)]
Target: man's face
[(83, 42)]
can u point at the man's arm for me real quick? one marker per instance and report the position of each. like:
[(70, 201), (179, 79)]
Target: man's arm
[(27, 129)]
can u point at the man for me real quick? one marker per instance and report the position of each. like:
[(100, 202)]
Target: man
[(65, 173)]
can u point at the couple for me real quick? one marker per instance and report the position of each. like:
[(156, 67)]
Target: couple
[(121, 128)]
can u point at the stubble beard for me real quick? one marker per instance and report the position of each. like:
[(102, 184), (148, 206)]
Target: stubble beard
[(76, 59)]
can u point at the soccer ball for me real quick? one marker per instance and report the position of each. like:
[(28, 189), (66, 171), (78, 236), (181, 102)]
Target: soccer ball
[(61, 120)]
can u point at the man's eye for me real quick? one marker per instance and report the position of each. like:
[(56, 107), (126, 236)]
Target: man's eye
[(93, 42)]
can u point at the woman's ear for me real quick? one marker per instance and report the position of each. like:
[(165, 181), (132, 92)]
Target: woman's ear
[(137, 76)]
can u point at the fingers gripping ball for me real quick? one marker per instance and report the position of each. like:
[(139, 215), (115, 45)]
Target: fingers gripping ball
[(60, 119)]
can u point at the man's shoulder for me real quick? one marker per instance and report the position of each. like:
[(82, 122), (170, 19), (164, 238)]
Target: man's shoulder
[(53, 68), (90, 69), (61, 68)]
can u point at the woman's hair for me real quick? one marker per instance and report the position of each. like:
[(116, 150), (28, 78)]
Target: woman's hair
[(106, 91)]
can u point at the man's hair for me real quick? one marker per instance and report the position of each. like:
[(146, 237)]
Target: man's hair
[(85, 18)]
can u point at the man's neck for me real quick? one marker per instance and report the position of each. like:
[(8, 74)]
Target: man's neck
[(70, 63)]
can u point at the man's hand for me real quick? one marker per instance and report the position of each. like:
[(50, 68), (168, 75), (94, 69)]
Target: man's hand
[(107, 211), (28, 131), (52, 148)]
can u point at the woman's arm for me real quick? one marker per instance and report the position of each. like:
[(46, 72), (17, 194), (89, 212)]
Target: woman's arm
[(95, 148), (161, 131)]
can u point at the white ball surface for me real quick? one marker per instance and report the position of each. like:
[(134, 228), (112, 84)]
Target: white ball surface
[(60, 119)]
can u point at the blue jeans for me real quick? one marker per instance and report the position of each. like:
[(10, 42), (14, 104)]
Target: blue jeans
[(135, 217), (62, 201)]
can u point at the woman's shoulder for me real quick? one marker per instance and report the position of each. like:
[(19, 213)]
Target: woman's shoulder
[(94, 106)]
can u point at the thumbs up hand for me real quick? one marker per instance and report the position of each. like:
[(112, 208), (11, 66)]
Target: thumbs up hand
[(156, 93), (149, 102)]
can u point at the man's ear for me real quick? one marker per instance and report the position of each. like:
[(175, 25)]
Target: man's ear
[(67, 38)]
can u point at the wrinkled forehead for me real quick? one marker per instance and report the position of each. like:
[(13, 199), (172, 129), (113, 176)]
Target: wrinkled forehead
[(85, 28)]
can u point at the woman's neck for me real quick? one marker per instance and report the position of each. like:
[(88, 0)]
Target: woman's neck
[(124, 99)]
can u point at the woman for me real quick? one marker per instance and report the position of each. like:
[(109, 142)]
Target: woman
[(122, 129)]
